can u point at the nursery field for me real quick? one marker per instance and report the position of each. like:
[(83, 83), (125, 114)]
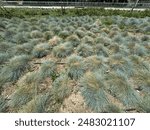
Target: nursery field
[(75, 64)]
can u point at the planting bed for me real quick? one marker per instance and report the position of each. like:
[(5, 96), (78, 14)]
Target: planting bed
[(75, 64)]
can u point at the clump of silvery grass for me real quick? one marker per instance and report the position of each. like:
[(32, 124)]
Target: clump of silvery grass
[(48, 69), (117, 62), (3, 104), (94, 63), (21, 96), (36, 34), (36, 105), (76, 67), (41, 50), (120, 88), (74, 40), (62, 88), (4, 58), (63, 50), (85, 50), (92, 88), (15, 68)]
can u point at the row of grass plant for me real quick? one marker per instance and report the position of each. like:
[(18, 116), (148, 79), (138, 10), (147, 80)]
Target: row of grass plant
[(17, 12)]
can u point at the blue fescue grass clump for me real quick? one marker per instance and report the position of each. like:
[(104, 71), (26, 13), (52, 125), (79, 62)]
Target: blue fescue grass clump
[(15, 68), (81, 29), (20, 38), (43, 27), (3, 104), (103, 40), (62, 50), (146, 29), (61, 88), (76, 67), (74, 40), (113, 48), (21, 96), (139, 50), (2, 25), (147, 46), (56, 30), (125, 34), (35, 41), (1, 38), (25, 48), (145, 38), (92, 88), (24, 26), (131, 46), (112, 34), (88, 40), (132, 21), (70, 28), (134, 39), (118, 63), (31, 78), (36, 105), (85, 50), (5, 46), (145, 104), (4, 58), (42, 20), (54, 41), (48, 69), (26, 29), (95, 29), (87, 26), (48, 35), (112, 108), (119, 39), (9, 34), (100, 50), (41, 101), (94, 62), (27, 36), (41, 50), (36, 34), (115, 27), (35, 29), (124, 51), (91, 34), (64, 34), (80, 33), (141, 77), (139, 63), (120, 88)]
